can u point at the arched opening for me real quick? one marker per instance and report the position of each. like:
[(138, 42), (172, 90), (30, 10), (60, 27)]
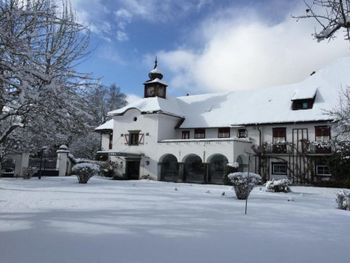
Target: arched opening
[(217, 168), (194, 170), (243, 163), (169, 168)]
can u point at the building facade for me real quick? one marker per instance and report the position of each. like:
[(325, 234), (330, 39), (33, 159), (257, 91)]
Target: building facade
[(277, 132)]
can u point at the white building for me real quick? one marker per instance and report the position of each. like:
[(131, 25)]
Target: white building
[(283, 131)]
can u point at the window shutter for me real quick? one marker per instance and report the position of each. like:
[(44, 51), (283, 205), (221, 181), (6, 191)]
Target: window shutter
[(126, 136), (141, 138)]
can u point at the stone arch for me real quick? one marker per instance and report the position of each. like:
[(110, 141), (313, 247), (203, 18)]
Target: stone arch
[(217, 168), (194, 169), (242, 161), (169, 168)]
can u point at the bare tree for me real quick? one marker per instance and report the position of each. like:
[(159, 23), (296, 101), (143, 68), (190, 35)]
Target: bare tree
[(330, 15), (341, 115), (40, 90)]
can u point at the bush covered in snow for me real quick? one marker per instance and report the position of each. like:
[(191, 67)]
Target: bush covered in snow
[(281, 185), (343, 200), (243, 183), (84, 171), (29, 172)]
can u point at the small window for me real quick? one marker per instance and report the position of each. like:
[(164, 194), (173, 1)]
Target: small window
[(110, 141), (134, 137), (185, 134), (199, 133), (242, 133), (224, 133), (279, 135), (322, 170), (279, 168), (322, 133)]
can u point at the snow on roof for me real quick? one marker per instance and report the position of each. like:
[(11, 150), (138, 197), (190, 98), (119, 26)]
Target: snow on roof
[(268, 105), (304, 93), (156, 70), (108, 125), (156, 80), (152, 105)]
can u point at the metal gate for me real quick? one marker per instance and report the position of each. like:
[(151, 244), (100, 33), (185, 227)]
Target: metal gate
[(44, 164)]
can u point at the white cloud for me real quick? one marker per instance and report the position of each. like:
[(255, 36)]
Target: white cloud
[(122, 36), (96, 14), (243, 51)]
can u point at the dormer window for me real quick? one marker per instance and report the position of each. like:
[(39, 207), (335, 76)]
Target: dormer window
[(304, 99), (302, 104)]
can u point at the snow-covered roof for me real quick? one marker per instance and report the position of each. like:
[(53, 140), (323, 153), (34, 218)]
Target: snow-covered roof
[(156, 80), (304, 93), (153, 105), (156, 70), (268, 105), (108, 125)]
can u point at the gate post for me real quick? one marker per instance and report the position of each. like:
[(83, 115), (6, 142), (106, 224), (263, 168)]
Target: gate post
[(62, 160), (21, 163)]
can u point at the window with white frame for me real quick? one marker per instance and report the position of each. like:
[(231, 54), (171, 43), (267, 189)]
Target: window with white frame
[(242, 133), (185, 134), (322, 133), (279, 168), (134, 137), (224, 133), (279, 135), (199, 133), (322, 170)]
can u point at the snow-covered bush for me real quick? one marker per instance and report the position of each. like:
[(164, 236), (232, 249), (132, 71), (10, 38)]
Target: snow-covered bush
[(343, 200), (84, 171), (29, 172), (243, 183), (112, 169), (281, 185)]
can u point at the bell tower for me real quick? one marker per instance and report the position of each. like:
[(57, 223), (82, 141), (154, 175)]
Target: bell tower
[(155, 87)]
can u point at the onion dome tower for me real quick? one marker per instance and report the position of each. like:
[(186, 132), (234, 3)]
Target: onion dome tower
[(155, 87)]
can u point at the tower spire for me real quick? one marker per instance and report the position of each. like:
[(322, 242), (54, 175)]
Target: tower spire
[(155, 87), (155, 63)]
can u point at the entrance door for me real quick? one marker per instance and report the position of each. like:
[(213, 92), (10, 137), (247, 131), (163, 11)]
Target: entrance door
[(132, 169)]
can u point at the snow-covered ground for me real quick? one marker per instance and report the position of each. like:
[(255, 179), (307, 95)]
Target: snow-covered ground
[(58, 220)]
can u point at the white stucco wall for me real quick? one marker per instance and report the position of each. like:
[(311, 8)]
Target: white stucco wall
[(161, 137), (105, 141)]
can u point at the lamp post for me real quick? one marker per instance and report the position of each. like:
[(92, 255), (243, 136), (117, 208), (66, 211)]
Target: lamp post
[(246, 201), (42, 150)]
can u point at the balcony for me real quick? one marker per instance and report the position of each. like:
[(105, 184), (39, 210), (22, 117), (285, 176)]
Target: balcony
[(277, 148), (320, 148)]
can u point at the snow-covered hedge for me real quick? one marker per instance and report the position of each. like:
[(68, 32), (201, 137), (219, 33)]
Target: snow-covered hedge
[(29, 172), (343, 200), (84, 171), (281, 185), (243, 183)]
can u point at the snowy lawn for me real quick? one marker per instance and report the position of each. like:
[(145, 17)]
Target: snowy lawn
[(59, 220)]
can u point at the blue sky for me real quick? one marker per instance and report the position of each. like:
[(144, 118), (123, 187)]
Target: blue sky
[(202, 45)]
